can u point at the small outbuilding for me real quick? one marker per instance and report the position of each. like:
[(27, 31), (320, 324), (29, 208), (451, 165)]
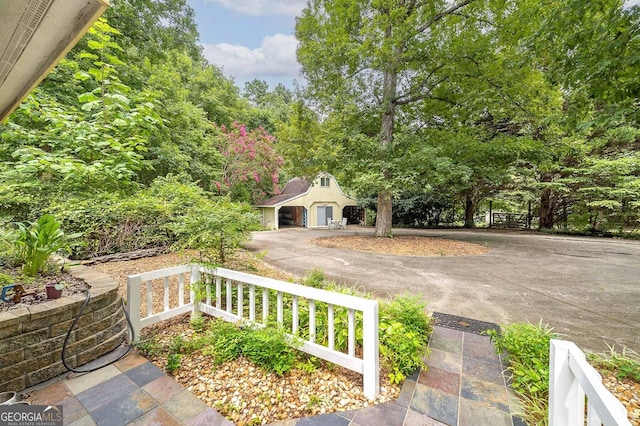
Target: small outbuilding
[(310, 205)]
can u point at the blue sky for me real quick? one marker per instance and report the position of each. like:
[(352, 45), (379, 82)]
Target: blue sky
[(250, 38), (254, 38)]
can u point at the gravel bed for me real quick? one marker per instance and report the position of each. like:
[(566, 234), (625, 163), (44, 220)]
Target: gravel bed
[(247, 394)]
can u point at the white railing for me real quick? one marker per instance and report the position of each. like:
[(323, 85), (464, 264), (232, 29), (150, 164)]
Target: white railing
[(571, 378), (237, 296)]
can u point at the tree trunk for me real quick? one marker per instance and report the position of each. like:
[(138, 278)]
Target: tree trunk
[(384, 215), (469, 208), (547, 210), (384, 218)]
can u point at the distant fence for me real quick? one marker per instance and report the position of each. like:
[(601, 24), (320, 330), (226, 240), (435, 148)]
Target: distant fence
[(510, 220), (234, 290), (571, 378)]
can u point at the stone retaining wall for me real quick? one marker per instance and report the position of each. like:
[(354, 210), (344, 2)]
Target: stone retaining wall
[(31, 338)]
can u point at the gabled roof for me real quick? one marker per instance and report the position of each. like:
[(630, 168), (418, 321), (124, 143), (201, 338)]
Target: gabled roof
[(34, 36), (295, 188)]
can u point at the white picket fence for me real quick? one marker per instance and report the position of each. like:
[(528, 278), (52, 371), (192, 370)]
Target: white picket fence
[(254, 291), (571, 378)]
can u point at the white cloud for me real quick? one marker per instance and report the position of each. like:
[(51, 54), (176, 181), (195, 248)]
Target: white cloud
[(276, 57), (263, 7)]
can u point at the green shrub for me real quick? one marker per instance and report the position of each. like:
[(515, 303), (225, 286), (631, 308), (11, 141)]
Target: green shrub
[(173, 362), (624, 365), (404, 333), (216, 229), (38, 241), (528, 357), (225, 341), (268, 348)]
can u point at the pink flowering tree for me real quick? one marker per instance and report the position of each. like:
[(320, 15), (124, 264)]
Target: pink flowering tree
[(251, 165)]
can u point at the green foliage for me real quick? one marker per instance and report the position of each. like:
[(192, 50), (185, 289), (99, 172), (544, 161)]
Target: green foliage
[(36, 242), (173, 362), (527, 347), (267, 347), (404, 330), (216, 229), (625, 364), (404, 327), (270, 349), (226, 341), (149, 346)]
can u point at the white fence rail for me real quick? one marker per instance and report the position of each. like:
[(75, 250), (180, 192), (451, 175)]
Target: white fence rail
[(571, 378), (237, 296)]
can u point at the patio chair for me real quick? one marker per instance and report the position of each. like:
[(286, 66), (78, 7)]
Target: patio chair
[(343, 224)]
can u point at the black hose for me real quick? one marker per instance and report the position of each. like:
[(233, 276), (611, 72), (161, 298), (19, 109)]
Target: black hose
[(73, 325)]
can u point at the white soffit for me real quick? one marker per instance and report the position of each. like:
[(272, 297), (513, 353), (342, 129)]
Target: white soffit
[(34, 36)]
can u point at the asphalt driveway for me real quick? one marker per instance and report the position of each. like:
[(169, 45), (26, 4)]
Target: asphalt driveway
[(587, 289)]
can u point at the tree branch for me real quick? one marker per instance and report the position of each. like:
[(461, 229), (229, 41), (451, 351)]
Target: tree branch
[(441, 15)]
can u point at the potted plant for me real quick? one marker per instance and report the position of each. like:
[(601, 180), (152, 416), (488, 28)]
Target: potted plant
[(54, 291)]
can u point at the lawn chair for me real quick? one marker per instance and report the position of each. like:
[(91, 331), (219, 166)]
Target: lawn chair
[(343, 224)]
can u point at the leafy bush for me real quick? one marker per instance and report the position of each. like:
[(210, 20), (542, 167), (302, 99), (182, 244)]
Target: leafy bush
[(226, 341), (171, 211), (528, 357), (624, 365), (216, 229), (268, 348), (404, 334), (36, 243), (403, 331)]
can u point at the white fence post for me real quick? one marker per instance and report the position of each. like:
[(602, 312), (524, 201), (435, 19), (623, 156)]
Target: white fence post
[(570, 379), (566, 399), (370, 349), (194, 277), (133, 306)]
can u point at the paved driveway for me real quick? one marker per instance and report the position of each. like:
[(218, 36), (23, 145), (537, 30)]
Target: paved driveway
[(587, 289)]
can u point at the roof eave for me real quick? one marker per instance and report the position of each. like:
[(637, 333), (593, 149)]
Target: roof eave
[(59, 28)]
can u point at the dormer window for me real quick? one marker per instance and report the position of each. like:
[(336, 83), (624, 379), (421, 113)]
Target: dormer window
[(324, 182)]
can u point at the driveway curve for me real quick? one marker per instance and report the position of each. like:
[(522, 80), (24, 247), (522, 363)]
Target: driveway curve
[(587, 289)]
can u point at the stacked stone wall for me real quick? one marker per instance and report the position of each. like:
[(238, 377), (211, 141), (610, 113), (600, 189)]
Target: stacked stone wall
[(31, 338)]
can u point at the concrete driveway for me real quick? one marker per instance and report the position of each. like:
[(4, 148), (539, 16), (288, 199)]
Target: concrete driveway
[(587, 289)]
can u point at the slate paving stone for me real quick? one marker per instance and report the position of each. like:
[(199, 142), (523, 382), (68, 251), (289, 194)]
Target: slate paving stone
[(414, 418), (125, 409), (472, 414), (436, 404), (82, 382), (480, 352), (163, 388), (406, 393), (331, 419), (447, 333), (184, 406), (72, 410), (209, 417), (441, 379), (157, 416), (144, 373), (105, 392), (133, 359), (453, 345), (481, 370), (50, 395), (445, 361), (347, 414), (83, 421), (388, 414), (485, 393)]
